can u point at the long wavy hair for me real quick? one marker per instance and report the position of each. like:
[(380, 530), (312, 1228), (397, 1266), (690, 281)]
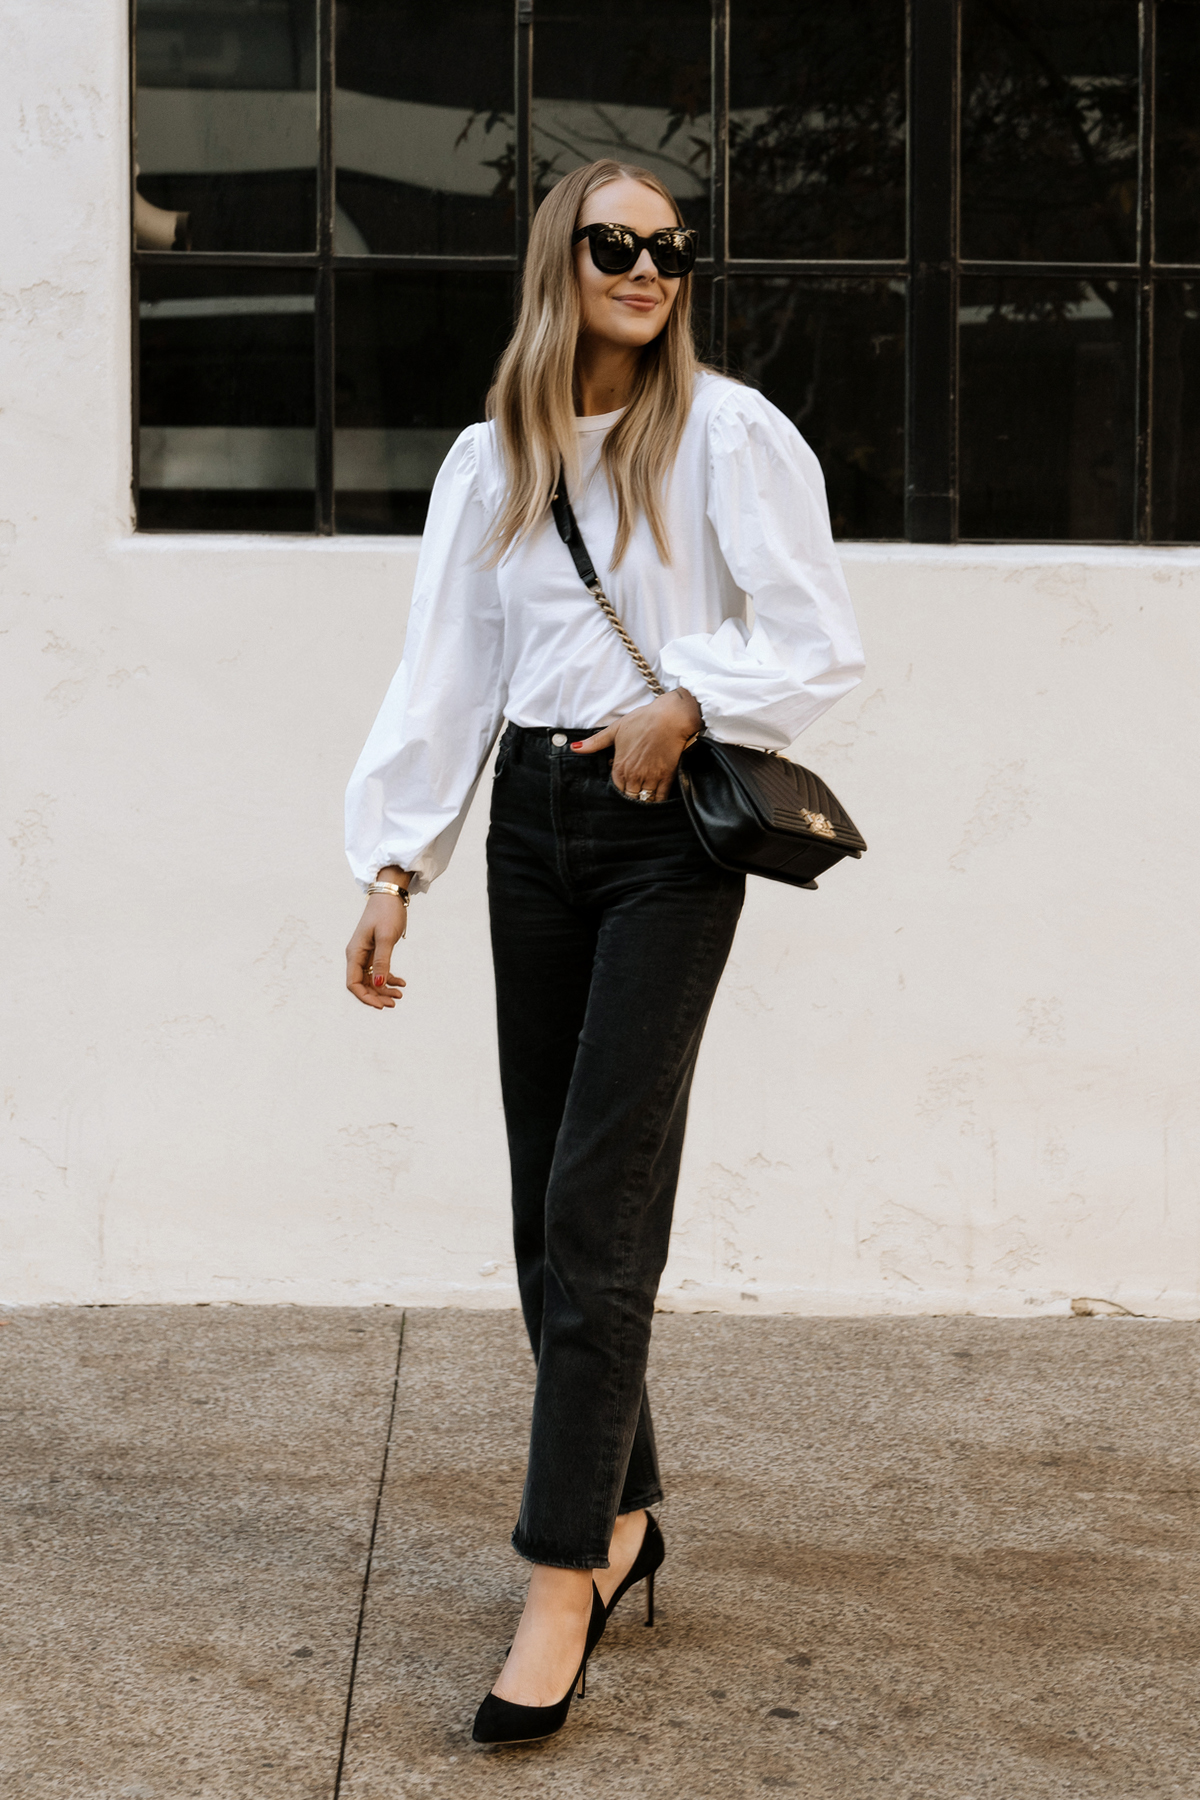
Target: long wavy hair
[(532, 397)]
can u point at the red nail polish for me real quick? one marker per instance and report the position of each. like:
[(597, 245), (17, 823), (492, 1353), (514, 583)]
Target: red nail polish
[(379, 981), (577, 746)]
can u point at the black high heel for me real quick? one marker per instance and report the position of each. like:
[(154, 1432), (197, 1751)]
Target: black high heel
[(504, 1722), (646, 1564)]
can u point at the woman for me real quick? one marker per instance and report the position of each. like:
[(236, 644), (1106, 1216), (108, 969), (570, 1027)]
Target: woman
[(610, 926)]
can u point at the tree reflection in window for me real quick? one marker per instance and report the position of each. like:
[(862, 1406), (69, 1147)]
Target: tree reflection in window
[(817, 129), (1050, 129)]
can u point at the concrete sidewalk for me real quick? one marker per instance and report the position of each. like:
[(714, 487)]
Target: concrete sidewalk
[(939, 1559)]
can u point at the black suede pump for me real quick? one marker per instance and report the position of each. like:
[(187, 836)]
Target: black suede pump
[(645, 1565), (504, 1722)]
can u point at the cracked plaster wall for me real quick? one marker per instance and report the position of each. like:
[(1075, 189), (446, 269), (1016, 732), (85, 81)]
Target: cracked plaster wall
[(962, 1076)]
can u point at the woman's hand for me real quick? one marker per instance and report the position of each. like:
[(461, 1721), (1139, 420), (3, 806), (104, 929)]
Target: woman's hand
[(369, 953), (649, 743)]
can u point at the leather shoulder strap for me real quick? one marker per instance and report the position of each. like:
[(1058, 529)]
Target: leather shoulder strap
[(572, 537)]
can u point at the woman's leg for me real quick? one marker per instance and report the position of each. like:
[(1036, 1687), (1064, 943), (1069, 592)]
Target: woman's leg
[(610, 928), (545, 958), (544, 948), (660, 951)]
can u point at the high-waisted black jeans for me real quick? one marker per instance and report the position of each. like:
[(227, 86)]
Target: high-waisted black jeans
[(610, 929)]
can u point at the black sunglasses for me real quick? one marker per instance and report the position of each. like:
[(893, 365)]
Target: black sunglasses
[(615, 249)]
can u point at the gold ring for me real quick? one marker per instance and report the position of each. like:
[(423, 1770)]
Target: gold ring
[(645, 794)]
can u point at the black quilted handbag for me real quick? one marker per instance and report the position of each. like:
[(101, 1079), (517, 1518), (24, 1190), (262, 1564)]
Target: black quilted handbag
[(753, 810)]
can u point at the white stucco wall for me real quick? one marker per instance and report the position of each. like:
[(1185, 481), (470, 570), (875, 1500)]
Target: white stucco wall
[(961, 1076)]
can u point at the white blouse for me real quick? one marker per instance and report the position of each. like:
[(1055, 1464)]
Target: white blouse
[(747, 520)]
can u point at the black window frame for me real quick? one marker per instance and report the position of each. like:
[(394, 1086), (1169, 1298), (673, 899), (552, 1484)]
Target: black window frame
[(931, 271)]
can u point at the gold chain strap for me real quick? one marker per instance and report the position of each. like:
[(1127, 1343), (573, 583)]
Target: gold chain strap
[(643, 667)]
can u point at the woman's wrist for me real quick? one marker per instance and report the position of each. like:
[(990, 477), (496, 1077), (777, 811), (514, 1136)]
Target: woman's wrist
[(391, 883), (687, 707)]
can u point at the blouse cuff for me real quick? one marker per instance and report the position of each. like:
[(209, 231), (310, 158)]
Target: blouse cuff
[(385, 858)]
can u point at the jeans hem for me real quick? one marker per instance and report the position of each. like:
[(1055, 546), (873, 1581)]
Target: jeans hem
[(652, 1497), (554, 1559)]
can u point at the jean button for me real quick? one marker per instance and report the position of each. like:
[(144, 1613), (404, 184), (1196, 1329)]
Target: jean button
[(559, 738)]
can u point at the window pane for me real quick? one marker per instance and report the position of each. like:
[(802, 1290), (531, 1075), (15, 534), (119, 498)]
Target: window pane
[(1176, 460), (423, 127), (817, 128), (702, 316), (226, 400), (1177, 147), (1046, 415), (226, 125), (627, 81), (830, 354), (415, 355), (1049, 129)]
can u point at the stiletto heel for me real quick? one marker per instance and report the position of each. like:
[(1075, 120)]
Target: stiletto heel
[(504, 1722), (648, 1560)]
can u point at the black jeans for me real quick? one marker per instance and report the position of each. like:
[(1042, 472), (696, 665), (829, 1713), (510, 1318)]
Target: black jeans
[(610, 929)]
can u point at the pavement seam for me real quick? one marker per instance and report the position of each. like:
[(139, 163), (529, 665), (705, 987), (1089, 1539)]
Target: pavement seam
[(366, 1580)]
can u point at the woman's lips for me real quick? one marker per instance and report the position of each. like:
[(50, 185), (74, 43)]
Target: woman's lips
[(636, 302)]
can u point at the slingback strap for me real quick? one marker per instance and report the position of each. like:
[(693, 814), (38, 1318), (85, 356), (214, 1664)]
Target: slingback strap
[(572, 537)]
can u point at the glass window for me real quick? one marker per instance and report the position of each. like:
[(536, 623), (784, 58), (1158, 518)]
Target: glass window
[(830, 354), (316, 381), (226, 400), (1177, 133), (817, 129), (632, 82), (1050, 130), (226, 125), (1046, 428), (1175, 464), (424, 128), (415, 355)]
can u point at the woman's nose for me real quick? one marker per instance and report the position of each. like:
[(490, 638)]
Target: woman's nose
[(643, 267)]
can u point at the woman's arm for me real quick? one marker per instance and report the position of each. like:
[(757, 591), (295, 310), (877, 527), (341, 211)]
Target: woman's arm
[(413, 783), (766, 504), (411, 788)]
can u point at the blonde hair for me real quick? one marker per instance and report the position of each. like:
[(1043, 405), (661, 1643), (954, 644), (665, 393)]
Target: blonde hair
[(532, 397)]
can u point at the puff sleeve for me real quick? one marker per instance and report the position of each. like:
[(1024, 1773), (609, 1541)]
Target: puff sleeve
[(763, 684), (413, 783)]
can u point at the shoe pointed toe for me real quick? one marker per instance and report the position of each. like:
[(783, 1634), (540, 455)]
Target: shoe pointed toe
[(504, 1722)]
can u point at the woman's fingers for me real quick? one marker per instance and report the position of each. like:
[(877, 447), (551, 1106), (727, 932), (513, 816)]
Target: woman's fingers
[(633, 781), (648, 743), (368, 971), (392, 990), (599, 740), (380, 971), (657, 784), (633, 787)]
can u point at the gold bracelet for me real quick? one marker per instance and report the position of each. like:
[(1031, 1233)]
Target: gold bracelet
[(388, 887)]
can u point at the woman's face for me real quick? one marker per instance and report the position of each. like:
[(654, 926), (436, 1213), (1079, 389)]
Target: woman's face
[(627, 310)]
